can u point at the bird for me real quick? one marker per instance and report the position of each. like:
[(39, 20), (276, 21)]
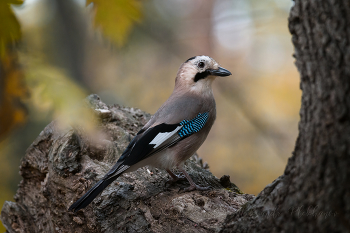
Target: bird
[(175, 132)]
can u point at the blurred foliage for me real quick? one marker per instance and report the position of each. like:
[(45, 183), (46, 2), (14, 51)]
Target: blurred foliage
[(116, 18), (54, 92), (12, 89), (9, 27), (12, 92)]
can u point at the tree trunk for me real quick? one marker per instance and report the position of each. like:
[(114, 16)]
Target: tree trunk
[(61, 165), (313, 194)]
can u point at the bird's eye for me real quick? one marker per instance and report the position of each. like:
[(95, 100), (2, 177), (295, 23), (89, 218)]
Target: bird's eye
[(201, 64)]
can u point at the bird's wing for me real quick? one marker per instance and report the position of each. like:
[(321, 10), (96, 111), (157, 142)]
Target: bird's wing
[(179, 106), (156, 139)]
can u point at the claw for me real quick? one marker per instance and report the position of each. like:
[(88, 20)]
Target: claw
[(174, 178), (192, 186)]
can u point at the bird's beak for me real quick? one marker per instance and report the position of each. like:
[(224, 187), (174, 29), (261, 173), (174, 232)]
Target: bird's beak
[(220, 72)]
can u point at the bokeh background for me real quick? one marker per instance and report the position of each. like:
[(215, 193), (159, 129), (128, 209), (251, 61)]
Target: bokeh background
[(54, 53)]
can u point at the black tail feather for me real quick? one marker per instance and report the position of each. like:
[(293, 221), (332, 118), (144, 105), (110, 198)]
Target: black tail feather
[(90, 195)]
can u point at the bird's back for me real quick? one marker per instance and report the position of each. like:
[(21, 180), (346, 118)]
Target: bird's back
[(184, 106)]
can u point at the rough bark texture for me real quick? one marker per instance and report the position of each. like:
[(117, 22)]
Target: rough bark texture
[(61, 165), (313, 193)]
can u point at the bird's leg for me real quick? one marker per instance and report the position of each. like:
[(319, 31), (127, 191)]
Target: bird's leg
[(192, 186), (174, 177)]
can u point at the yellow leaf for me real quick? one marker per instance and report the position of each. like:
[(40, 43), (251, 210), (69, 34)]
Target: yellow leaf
[(12, 88), (12, 91), (116, 18)]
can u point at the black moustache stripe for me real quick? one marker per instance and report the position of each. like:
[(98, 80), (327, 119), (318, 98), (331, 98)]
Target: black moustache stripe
[(202, 75)]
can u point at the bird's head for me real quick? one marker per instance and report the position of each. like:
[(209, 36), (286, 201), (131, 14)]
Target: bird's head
[(197, 73)]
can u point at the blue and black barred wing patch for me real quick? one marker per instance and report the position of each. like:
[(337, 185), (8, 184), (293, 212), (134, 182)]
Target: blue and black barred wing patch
[(184, 129), (193, 126)]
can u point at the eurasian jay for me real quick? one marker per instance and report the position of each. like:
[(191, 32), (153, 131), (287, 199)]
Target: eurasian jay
[(175, 131)]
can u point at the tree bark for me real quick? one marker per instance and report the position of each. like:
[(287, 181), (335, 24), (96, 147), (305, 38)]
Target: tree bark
[(313, 193), (61, 165)]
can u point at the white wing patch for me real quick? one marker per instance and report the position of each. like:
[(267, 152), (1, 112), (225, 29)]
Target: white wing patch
[(162, 137)]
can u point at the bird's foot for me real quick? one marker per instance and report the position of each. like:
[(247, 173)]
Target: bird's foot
[(174, 179), (195, 187)]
